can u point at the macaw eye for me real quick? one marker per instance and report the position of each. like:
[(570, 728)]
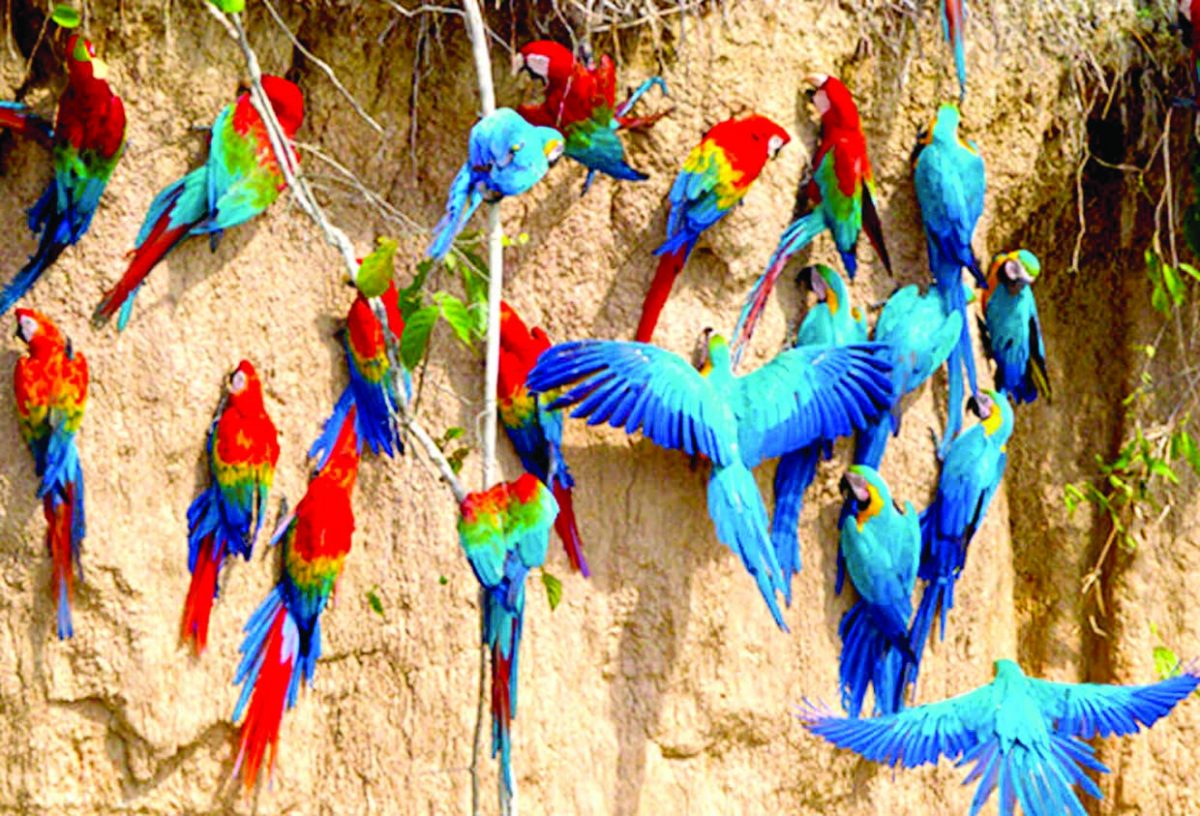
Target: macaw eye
[(237, 383)]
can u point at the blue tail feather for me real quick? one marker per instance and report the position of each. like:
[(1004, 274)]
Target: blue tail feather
[(460, 205), (793, 476)]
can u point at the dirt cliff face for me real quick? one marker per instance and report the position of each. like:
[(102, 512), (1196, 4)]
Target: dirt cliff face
[(661, 685)]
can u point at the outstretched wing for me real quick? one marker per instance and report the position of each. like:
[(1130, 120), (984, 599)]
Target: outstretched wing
[(637, 386), (1086, 710), (915, 736), (808, 395)]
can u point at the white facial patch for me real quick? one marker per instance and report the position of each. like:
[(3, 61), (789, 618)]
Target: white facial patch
[(28, 327), (538, 64), (1013, 269), (821, 100), (775, 144), (237, 384)]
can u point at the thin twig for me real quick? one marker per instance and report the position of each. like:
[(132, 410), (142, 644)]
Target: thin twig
[(487, 100), (324, 66), (334, 236)]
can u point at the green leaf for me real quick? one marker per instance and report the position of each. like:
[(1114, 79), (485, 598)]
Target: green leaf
[(1190, 270), (443, 580), (1166, 662), (412, 297), (454, 433), (553, 589), (1173, 284), (456, 314), (1160, 468), (374, 602), (65, 16), (376, 270), (417, 328), (230, 6)]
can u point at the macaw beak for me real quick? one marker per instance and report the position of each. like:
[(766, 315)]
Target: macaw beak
[(854, 486), (99, 69)]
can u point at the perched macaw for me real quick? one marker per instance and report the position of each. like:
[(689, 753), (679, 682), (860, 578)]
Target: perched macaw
[(372, 387), (240, 180), (224, 520), (283, 636), (841, 193), (89, 137), (505, 533), (831, 322), (971, 475), (803, 397), (954, 13), (505, 157), (716, 176), (536, 431), (1012, 332), (920, 332), (580, 101), (1020, 733), (950, 182), (51, 383), (880, 545)]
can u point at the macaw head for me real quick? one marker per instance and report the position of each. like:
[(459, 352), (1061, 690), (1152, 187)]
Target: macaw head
[(994, 412), (711, 351), (825, 283), (245, 389), (545, 60), (341, 467), (287, 101), (1015, 269), (1007, 671), (865, 492), (82, 62), (833, 102), (763, 131), (36, 330)]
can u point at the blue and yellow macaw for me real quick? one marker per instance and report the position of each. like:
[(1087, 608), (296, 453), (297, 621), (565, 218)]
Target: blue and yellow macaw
[(831, 322), (802, 397), (1023, 735), (1012, 331), (920, 332), (971, 475), (505, 157), (880, 545), (950, 181)]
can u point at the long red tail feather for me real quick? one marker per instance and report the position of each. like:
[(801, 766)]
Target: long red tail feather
[(568, 531), (58, 540), (260, 730), (158, 243), (198, 606), (670, 264)]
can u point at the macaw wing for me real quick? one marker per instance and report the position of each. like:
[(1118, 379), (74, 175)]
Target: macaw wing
[(1037, 355), (974, 181), (1086, 710), (532, 510), (961, 491), (808, 395), (941, 193), (484, 543), (637, 386), (239, 188), (694, 200), (915, 736)]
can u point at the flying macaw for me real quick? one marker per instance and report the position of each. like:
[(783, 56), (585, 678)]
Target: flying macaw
[(1020, 733), (841, 193), (954, 14), (831, 322), (89, 137), (283, 636), (372, 387), (51, 383), (505, 157), (224, 520), (950, 182), (240, 179), (880, 545), (505, 533), (716, 176), (971, 475), (1012, 332), (920, 332), (580, 100), (536, 431), (803, 397)]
